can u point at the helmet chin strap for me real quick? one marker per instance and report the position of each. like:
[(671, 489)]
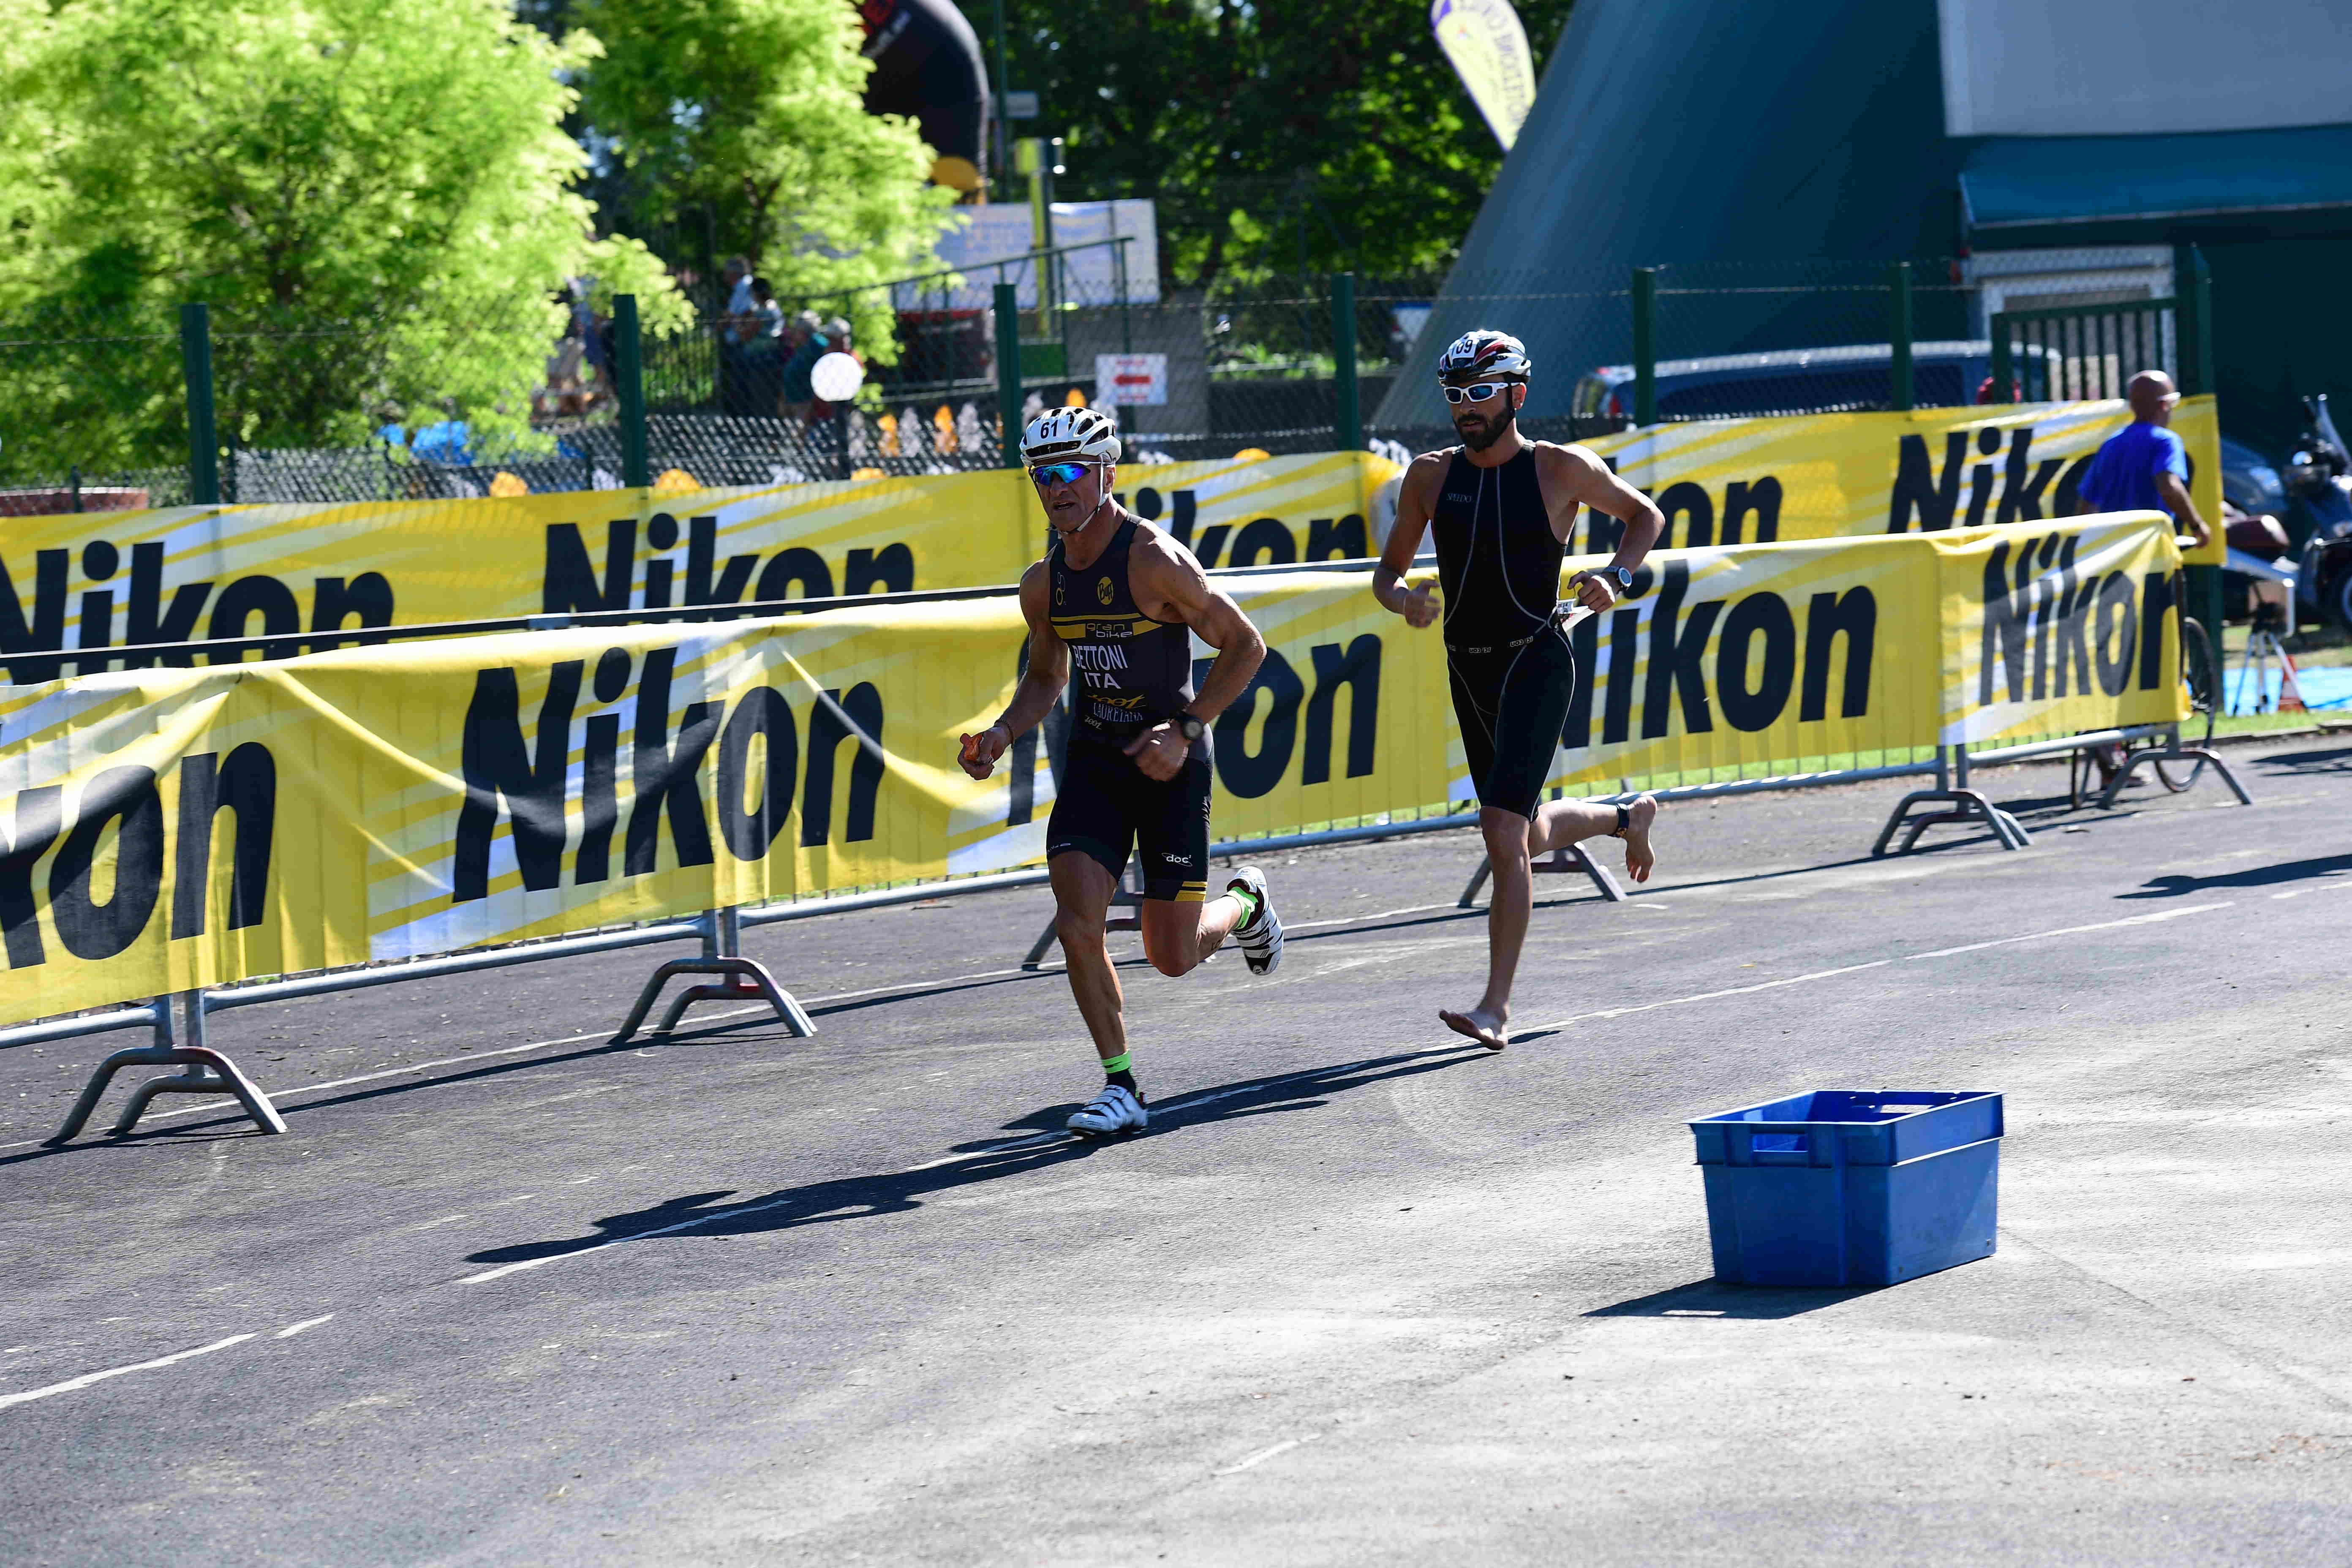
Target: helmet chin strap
[(1081, 527)]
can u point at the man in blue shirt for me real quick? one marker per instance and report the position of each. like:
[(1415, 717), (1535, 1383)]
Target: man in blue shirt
[(2143, 467)]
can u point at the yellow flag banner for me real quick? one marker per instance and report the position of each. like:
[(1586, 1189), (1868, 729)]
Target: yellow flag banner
[(1824, 476), (110, 580), (164, 829)]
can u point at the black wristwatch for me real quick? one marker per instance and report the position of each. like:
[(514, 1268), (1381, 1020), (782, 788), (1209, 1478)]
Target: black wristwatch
[(1189, 725), (1624, 577)]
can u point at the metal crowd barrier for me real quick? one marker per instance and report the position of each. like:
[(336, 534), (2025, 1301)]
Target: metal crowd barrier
[(180, 1036), (178, 1020)]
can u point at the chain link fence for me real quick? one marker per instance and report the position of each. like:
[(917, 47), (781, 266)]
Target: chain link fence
[(96, 412), (92, 414)]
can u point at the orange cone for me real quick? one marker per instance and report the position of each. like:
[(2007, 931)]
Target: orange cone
[(2290, 694)]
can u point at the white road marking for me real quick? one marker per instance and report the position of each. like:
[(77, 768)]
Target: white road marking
[(444, 1219), (2157, 917), (1262, 1454), (86, 1379), (292, 1329), (1195, 1102), (1004, 1147), (1881, 964)]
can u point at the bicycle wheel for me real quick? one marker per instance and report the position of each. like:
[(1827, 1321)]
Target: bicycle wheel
[(2200, 674)]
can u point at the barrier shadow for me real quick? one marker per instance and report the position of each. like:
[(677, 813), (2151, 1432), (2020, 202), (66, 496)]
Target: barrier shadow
[(1703, 1298), (2175, 885), (903, 1192), (2334, 759)]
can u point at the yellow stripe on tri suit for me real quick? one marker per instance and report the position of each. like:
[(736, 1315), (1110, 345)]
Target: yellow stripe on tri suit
[(1193, 893), (1076, 628)]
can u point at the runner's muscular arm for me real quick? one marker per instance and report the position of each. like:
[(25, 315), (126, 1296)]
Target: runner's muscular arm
[(1416, 499), (1048, 672), (1571, 476), (2175, 496), (1169, 586)]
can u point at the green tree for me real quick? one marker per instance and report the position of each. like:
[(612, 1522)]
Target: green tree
[(742, 121), (1310, 136), (386, 178)]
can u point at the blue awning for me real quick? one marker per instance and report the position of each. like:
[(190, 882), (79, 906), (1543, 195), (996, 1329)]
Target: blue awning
[(2020, 182)]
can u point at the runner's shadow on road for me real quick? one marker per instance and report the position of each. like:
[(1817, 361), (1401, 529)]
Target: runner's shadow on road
[(2174, 886), (902, 1192), (1713, 1299)]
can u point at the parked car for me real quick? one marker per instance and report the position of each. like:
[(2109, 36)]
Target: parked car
[(1943, 372)]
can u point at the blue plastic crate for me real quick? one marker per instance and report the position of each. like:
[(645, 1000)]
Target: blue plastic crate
[(1847, 1187)]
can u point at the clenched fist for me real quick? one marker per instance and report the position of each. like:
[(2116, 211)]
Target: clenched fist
[(980, 750)]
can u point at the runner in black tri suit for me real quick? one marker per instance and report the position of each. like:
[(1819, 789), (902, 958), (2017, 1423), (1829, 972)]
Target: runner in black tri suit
[(1501, 508), (1119, 601)]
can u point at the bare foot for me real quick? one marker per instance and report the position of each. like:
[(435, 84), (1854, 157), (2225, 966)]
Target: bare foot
[(1639, 857), (1480, 1024)]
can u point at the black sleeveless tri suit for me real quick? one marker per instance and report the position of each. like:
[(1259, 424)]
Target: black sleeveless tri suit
[(1128, 673), (1511, 667)]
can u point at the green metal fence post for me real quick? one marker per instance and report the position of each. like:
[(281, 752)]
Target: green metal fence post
[(1347, 428), (1008, 373), (629, 383), (1646, 345), (2193, 287), (1899, 334), (204, 438), (2004, 374)]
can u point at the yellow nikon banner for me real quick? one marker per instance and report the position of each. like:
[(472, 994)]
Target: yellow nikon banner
[(1823, 476), (1802, 656), (105, 580), (163, 829), (109, 580)]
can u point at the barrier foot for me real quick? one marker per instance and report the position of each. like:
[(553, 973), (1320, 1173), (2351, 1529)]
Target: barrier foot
[(748, 980), (220, 1076), (1129, 897), (1968, 806), (2158, 754), (1469, 899), (179, 1042), (1567, 857)]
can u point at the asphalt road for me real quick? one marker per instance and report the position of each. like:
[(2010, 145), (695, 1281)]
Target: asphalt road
[(507, 1293)]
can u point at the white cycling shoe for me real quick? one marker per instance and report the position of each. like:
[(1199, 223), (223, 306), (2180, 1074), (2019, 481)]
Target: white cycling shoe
[(1114, 1111), (1260, 939)]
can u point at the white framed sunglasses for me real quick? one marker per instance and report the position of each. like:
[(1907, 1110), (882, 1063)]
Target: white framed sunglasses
[(1478, 394)]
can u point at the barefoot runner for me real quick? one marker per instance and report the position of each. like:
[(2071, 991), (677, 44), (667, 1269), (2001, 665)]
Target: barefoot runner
[(1501, 508), (1121, 600)]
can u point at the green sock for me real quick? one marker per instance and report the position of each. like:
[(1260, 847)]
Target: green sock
[(1248, 901)]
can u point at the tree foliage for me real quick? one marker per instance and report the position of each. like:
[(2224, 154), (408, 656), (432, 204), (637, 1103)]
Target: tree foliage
[(1310, 136), (742, 120), (388, 179)]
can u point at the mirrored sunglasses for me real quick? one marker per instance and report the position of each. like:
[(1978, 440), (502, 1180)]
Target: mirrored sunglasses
[(1058, 473), (1478, 394)]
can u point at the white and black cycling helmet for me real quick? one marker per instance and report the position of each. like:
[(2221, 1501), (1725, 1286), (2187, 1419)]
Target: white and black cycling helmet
[(1069, 435), (1485, 352)]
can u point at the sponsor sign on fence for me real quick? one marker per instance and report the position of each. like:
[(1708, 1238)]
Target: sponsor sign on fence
[(93, 581), (1823, 476), (163, 829), (110, 580)]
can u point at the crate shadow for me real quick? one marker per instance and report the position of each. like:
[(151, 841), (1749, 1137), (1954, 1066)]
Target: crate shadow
[(1713, 1299)]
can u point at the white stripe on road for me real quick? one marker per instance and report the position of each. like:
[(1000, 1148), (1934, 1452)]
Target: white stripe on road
[(288, 1331), (86, 1379), (2147, 920), (1883, 962), (1262, 1455)]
